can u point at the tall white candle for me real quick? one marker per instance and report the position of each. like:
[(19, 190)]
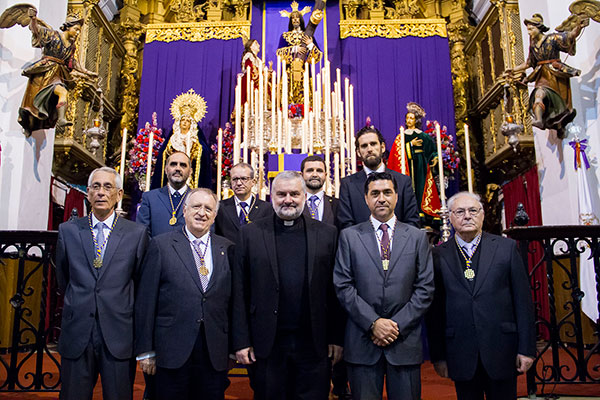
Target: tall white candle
[(238, 121), (402, 151), (123, 154), (468, 157), (219, 161), (352, 132), (336, 178), (149, 160), (246, 138), (438, 137)]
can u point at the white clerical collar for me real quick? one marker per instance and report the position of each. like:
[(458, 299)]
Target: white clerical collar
[(108, 221), (181, 191), (369, 171), (319, 195), (463, 243), (193, 238), (390, 223)]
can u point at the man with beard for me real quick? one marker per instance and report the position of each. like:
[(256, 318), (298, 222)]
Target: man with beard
[(243, 207), (353, 209), (286, 318), (319, 205), (162, 209)]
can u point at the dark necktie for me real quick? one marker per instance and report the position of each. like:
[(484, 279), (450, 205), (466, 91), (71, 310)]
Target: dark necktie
[(385, 242), (242, 216), (176, 198), (312, 206)]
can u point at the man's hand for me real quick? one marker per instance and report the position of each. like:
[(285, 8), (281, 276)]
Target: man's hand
[(245, 356), (385, 330), (378, 342), (148, 365), (416, 142), (335, 353), (441, 367), (523, 363), (307, 39)]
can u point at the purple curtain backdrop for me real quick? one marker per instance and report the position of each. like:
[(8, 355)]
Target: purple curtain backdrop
[(208, 67)]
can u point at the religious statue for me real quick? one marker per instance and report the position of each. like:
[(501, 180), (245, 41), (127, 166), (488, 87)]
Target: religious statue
[(550, 103), (420, 155), (296, 47), (187, 110), (44, 103)]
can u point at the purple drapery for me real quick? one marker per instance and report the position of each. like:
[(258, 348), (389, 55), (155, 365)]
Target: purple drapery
[(208, 67)]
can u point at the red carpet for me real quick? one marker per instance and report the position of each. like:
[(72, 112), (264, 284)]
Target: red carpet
[(434, 387)]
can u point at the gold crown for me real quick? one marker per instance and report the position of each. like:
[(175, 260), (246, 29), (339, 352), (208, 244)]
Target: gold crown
[(189, 103), (287, 14)]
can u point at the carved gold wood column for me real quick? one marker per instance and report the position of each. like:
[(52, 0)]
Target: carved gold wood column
[(130, 32)]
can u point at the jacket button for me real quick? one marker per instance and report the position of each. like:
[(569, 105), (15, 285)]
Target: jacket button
[(198, 321), (275, 312), (203, 299)]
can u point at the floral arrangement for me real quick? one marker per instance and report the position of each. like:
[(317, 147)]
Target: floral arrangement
[(449, 154), (139, 152), (296, 111), (228, 138)]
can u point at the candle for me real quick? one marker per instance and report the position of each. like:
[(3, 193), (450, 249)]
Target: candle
[(238, 121), (306, 90), (438, 137), (123, 158), (248, 80), (402, 151), (219, 161), (311, 147), (342, 138), (149, 160), (336, 164), (352, 134), (274, 111), (468, 157), (246, 117), (279, 137)]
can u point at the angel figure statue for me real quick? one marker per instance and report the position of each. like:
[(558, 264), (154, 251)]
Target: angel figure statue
[(44, 103), (550, 103)]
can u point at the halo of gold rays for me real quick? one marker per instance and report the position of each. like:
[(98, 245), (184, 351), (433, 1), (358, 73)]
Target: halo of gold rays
[(189, 103), (286, 13)]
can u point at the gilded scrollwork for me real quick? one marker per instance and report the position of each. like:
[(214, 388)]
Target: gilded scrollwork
[(130, 32), (393, 29), (197, 31)]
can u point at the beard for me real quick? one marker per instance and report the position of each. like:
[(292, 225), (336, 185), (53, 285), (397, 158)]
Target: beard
[(372, 162), (314, 184), (289, 213)]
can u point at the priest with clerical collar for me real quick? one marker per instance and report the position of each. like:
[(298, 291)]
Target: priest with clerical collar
[(243, 207), (287, 319)]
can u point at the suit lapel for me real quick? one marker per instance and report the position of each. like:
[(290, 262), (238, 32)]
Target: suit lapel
[(452, 260), (269, 240), (111, 246), (181, 244), (367, 237), (398, 244), (327, 210), (254, 209), (311, 240), (231, 212), (218, 258), (487, 249), (87, 242), (164, 198)]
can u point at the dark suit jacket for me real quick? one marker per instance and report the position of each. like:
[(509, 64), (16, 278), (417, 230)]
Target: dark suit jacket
[(111, 292), (330, 208), (256, 287), (227, 222), (354, 210), (367, 293), (171, 305), (494, 321), (155, 212)]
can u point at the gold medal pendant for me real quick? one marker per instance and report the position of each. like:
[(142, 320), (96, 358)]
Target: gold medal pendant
[(97, 262), (386, 264), (203, 270), (173, 220), (469, 273)]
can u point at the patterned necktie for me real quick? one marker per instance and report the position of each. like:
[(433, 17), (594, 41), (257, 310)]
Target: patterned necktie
[(176, 197), (100, 237), (199, 255), (468, 250), (242, 215), (312, 206), (385, 242)]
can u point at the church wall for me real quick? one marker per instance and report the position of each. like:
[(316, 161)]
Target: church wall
[(24, 173), (555, 158)]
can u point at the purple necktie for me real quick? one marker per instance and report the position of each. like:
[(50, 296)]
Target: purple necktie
[(200, 262), (385, 242), (312, 206), (242, 216)]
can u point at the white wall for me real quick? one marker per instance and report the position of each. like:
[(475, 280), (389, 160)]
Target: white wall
[(26, 164), (555, 158)]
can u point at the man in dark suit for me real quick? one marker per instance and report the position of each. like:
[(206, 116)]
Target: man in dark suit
[(243, 207), (318, 204), (481, 324), (353, 210), (182, 311), (384, 279), (161, 209), (285, 313), (98, 261)]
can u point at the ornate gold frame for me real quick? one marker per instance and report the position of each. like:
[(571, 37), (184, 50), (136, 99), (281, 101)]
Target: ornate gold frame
[(197, 31), (393, 28)]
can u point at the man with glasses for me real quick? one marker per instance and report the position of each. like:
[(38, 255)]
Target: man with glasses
[(98, 263), (243, 207), (481, 323), (182, 311)]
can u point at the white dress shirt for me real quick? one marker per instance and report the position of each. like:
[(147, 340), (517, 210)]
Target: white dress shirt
[(391, 223), (321, 196), (208, 262)]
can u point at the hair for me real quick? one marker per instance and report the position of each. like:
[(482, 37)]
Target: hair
[(118, 180), (288, 176), (368, 129), (418, 119), (202, 190), (244, 165), (310, 159), (67, 24), (249, 44), (179, 152), (474, 196), (299, 14), (380, 176)]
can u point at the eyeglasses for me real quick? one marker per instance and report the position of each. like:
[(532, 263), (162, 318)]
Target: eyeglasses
[(197, 208), (242, 179), (96, 187), (461, 212)]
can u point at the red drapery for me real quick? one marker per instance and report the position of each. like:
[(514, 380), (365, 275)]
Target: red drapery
[(526, 189)]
